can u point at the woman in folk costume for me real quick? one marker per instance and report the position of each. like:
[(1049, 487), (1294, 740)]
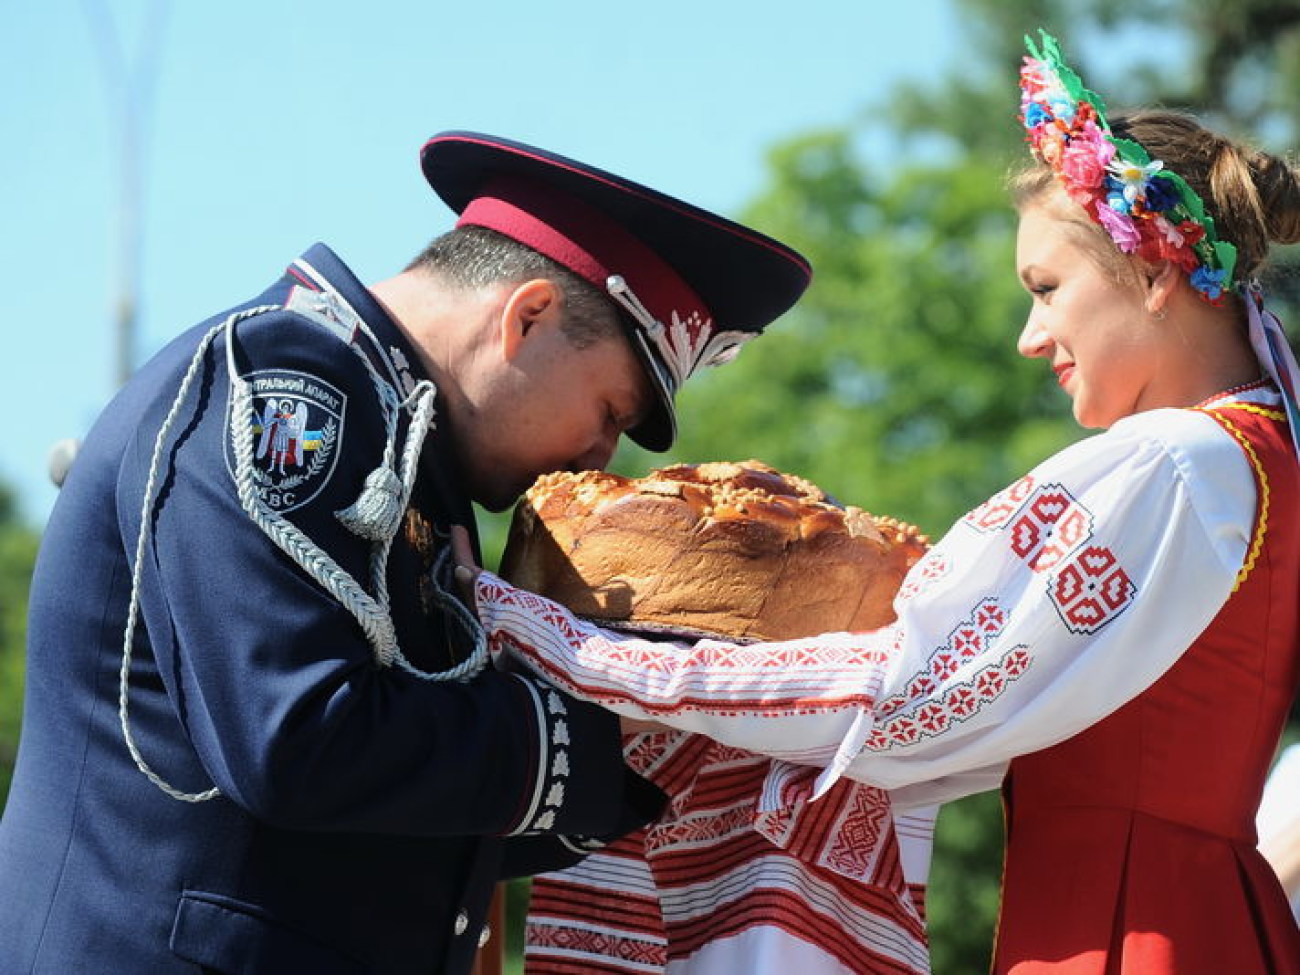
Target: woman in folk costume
[(1114, 637)]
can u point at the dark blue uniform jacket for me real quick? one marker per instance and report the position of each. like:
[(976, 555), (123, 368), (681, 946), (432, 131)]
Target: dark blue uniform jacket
[(364, 813)]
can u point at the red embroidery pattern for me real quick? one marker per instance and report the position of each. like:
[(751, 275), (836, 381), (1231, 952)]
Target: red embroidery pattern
[(860, 834), (575, 923), (687, 833), (999, 509), (1091, 590), (541, 632), (914, 714), (848, 830), (644, 750), (721, 866), (932, 567), (1051, 526), (1051, 531), (594, 948)]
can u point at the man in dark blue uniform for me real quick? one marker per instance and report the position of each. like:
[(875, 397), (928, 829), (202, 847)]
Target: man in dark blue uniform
[(258, 735)]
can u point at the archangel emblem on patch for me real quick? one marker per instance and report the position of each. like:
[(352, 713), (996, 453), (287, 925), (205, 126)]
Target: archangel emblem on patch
[(296, 427)]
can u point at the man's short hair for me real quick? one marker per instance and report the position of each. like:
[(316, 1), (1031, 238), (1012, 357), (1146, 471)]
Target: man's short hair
[(476, 257)]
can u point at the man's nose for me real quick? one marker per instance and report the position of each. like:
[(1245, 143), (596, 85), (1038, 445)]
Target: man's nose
[(598, 456)]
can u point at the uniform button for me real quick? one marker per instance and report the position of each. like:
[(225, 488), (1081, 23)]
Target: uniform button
[(462, 923), (484, 935)]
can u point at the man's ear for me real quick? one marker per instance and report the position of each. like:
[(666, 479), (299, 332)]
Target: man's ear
[(530, 309), (1162, 279)]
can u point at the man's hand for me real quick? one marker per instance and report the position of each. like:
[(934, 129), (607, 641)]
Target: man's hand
[(467, 570), (637, 726)]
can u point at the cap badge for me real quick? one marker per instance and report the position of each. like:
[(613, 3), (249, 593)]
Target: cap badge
[(686, 343)]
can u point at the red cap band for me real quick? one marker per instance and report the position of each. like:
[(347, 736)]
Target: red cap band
[(585, 241)]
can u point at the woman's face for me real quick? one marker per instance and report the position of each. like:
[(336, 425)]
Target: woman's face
[(1092, 329)]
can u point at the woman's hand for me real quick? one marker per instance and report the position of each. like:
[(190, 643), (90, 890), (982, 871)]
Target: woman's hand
[(638, 726), (467, 570)]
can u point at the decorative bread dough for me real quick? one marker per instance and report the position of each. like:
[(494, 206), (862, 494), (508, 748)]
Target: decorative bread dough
[(734, 549)]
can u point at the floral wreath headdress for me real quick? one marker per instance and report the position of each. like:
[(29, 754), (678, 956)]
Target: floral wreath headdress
[(1146, 209)]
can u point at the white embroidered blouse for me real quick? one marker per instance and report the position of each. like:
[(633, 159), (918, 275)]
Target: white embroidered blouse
[(1040, 612)]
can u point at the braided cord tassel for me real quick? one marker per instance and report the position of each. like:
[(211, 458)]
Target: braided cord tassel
[(376, 516), (142, 540), (479, 658)]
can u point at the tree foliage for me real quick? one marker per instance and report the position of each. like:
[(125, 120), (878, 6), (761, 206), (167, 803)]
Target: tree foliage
[(17, 556), (868, 387)]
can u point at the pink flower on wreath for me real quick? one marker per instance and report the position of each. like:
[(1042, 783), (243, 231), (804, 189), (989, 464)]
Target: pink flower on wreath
[(1120, 226), (1084, 161), (1170, 235)]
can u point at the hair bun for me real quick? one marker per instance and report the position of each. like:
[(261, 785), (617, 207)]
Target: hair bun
[(1278, 185)]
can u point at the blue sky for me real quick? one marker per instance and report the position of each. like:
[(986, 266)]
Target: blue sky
[(275, 124)]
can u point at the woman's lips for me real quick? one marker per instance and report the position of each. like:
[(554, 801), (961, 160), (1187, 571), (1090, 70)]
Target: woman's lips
[(1063, 372)]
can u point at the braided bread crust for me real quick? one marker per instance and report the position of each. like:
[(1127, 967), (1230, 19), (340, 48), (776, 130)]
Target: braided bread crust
[(739, 550)]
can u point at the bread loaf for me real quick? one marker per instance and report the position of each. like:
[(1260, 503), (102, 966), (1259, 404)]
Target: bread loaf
[(734, 549)]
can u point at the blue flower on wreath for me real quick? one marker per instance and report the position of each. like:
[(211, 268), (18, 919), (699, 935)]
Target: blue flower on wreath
[(1209, 282), (1118, 201), (1062, 107), (1036, 114), (1161, 195)]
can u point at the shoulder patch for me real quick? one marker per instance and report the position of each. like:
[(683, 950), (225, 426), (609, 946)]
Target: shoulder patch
[(296, 429)]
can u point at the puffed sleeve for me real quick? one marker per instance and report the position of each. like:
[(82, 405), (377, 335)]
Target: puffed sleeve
[(249, 673), (1040, 612)]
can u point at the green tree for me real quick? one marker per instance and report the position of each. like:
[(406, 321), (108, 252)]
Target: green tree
[(17, 556), (869, 388)]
